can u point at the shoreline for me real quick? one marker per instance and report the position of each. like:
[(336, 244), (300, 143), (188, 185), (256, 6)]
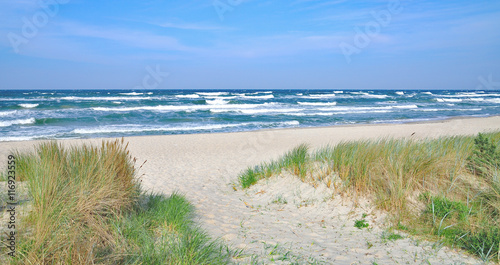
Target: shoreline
[(450, 119), (462, 125)]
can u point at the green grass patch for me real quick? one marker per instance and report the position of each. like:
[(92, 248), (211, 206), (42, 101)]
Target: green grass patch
[(162, 232), (360, 224), (390, 236), (295, 162)]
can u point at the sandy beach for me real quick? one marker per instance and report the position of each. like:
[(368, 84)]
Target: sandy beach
[(308, 227)]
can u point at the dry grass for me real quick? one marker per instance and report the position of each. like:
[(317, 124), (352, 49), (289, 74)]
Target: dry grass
[(75, 193)]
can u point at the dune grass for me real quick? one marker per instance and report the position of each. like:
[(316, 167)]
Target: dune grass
[(86, 207), (446, 188)]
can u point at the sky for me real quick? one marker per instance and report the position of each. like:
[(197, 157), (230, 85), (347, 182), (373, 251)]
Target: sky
[(249, 44)]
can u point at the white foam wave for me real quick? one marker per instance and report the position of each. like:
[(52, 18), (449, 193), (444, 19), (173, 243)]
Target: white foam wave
[(321, 95), (7, 113), (405, 107), (401, 93), (131, 94), (338, 92), (368, 109), (134, 128), (17, 122), (408, 120), (427, 93), (470, 95), (16, 138), (212, 94), (182, 107), (448, 100), (494, 100), (188, 96), (317, 103), (435, 110), (73, 98), (217, 101), (28, 106), (258, 97), (149, 93), (367, 95), (267, 111), (260, 92)]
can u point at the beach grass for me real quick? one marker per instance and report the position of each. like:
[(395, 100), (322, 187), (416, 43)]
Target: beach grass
[(447, 189), (86, 207)]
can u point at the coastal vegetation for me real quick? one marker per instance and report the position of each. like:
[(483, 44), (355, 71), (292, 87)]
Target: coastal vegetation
[(445, 189), (85, 206)]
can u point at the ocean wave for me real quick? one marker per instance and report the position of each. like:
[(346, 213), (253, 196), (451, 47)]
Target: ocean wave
[(258, 97), (267, 111), (317, 103), (212, 94), (73, 98), (299, 114), (331, 113), (321, 95), (260, 92), (17, 122), (449, 100), (367, 95), (28, 106), (435, 110), (493, 100), (16, 138), (470, 95), (7, 113), (181, 107), (342, 108), (409, 120), (188, 96), (401, 93), (131, 94), (137, 128), (217, 101)]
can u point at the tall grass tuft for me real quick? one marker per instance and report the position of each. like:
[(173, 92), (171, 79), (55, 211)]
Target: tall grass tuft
[(297, 160), (75, 193)]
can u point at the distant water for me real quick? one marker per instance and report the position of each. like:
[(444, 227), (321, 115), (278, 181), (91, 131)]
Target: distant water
[(63, 114)]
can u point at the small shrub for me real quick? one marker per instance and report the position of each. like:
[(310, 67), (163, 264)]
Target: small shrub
[(360, 224)]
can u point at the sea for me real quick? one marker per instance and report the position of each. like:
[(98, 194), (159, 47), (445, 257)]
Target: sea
[(77, 114)]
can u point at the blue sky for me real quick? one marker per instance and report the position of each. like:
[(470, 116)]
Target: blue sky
[(389, 44)]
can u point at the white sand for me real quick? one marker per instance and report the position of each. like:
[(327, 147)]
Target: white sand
[(203, 166)]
